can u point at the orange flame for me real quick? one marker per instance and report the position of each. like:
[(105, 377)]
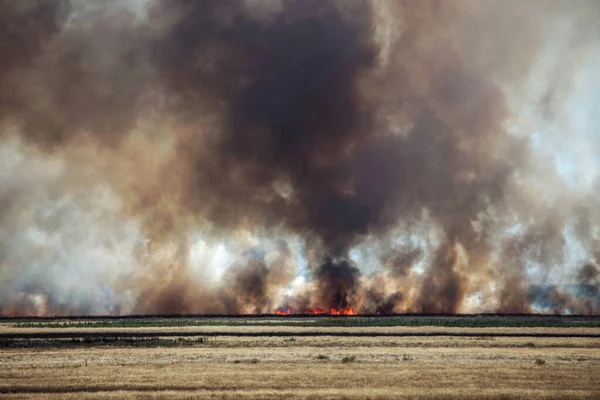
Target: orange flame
[(343, 311), (317, 311)]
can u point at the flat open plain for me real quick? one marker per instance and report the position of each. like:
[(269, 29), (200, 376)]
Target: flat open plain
[(301, 358)]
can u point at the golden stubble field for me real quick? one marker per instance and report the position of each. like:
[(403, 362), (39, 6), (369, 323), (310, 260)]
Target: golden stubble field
[(316, 367)]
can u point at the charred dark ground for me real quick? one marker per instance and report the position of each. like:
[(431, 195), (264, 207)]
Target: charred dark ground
[(199, 156)]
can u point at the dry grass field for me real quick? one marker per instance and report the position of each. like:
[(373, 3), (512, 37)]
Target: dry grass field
[(305, 367)]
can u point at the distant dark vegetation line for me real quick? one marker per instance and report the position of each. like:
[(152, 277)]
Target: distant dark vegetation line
[(463, 322), (92, 335), (103, 341)]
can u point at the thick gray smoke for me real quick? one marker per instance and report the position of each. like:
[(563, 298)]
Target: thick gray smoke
[(254, 156)]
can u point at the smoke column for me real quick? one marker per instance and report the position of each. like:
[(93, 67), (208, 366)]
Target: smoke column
[(299, 156)]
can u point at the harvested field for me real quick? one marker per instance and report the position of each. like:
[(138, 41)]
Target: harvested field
[(267, 366)]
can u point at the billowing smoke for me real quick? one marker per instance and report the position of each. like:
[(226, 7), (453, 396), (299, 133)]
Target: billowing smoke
[(248, 156)]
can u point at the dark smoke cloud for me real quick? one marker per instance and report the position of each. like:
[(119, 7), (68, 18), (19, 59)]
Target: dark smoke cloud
[(443, 288), (330, 123), (71, 70), (26, 27), (285, 94), (402, 260), (337, 284), (290, 107), (588, 274), (253, 284)]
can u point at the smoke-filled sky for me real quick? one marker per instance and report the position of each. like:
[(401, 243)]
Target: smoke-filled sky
[(254, 156)]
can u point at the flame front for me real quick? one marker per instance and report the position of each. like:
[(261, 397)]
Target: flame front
[(343, 311), (316, 311)]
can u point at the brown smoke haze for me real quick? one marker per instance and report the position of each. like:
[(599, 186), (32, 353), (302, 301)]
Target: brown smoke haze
[(302, 156)]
